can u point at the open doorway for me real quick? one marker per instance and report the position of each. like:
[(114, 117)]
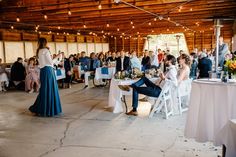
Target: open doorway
[(173, 42)]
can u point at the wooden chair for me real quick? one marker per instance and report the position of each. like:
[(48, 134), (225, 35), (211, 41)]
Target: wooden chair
[(163, 101), (183, 93)]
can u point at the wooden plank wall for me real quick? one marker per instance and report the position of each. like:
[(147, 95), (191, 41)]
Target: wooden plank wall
[(128, 44)]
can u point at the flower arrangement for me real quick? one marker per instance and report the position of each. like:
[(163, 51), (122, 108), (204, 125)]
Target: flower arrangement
[(230, 64)]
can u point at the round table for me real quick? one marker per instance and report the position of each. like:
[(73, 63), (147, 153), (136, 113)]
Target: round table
[(212, 105)]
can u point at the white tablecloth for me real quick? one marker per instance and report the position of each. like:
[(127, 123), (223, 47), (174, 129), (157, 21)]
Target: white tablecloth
[(99, 75), (115, 93), (212, 105)]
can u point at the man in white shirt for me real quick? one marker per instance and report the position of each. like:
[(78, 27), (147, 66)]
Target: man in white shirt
[(152, 89)]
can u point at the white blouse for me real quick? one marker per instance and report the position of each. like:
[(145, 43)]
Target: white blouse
[(45, 59)]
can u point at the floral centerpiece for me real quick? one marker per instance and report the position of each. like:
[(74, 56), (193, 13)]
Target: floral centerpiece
[(230, 65)]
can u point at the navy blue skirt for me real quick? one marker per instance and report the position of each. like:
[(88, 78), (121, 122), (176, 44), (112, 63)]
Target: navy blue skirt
[(48, 102)]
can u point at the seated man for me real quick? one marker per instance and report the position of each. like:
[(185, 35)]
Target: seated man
[(152, 89), (18, 74), (122, 62), (93, 64)]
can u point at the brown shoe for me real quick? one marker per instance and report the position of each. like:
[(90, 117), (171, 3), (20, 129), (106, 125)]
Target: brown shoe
[(132, 113), (124, 87), (145, 99)]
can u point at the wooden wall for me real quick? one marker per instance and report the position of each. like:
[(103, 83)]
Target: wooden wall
[(127, 44), (206, 39)]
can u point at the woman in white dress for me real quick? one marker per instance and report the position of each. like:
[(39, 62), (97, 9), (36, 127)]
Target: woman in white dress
[(184, 70)]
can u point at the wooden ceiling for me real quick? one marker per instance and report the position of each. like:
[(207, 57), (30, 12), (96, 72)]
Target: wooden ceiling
[(171, 16)]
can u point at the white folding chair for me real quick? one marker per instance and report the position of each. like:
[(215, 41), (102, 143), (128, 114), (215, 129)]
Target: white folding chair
[(183, 95), (163, 101)]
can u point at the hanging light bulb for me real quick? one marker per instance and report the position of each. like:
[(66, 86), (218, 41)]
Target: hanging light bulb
[(12, 27), (108, 25), (131, 22), (152, 31), (78, 33), (45, 16), (57, 33), (100, 6), (168, 30), (133, 27), (58, 27), (155, 19), (39, 32), (102, 31), (118, 29), (191, 9), (67, 33), (168, 18), (84, 26), (160, 17), (149, 23), (69, 12), (17, 19)]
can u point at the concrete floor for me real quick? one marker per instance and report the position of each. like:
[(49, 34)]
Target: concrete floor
[(87, 129)]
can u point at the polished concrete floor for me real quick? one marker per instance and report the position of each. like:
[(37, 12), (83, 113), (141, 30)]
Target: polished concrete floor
[(87, 129)]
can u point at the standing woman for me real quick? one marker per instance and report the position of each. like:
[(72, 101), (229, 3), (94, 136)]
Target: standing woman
[(48, 102)]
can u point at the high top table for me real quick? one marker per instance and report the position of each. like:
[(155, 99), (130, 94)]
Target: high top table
[(212, 106)]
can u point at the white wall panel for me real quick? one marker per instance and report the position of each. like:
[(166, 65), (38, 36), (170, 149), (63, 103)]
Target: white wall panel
[(1, 51), (13, 50), (62, 47), (105, 47), (30, 49), (52, 47), (82, 47), (72, 48), (91, 48), (98, 47)]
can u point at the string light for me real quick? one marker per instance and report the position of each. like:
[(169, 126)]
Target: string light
[(131, 22), (191, 9), (58, 27), (168, 18), (12, 27), (160, 17), (85, 26), (100, 6), (168, 30), (69, 12), (67, 33), (152, 31), (118, 29), (149, 23), (108, 25), (45, 16), (102, 31), (78, 33), (57, 33), (155, 19), (17, 19), (133, 27)]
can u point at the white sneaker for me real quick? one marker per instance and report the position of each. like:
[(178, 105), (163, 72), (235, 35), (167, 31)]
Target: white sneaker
[(31, 91), (4, 90)]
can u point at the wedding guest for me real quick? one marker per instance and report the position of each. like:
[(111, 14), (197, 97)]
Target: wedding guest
[(18, 74), (84, 61), (48, 102), (204, 66), (135, 62), (101, 59), (122, 62), (152, 89), (154, 59), (160, 55), (112, 58), (223, 49), (93, 64), (146, 61), (184, 70), (32, 76), (194, 65), (68, 65), (4, 82)]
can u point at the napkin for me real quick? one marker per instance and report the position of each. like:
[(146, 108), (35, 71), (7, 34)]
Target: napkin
[(59, 72), (104, 70)]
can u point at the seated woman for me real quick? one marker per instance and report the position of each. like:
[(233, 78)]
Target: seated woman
[(101, 59), (184, 70), (3, 77), (152, 89), (32, 76)]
